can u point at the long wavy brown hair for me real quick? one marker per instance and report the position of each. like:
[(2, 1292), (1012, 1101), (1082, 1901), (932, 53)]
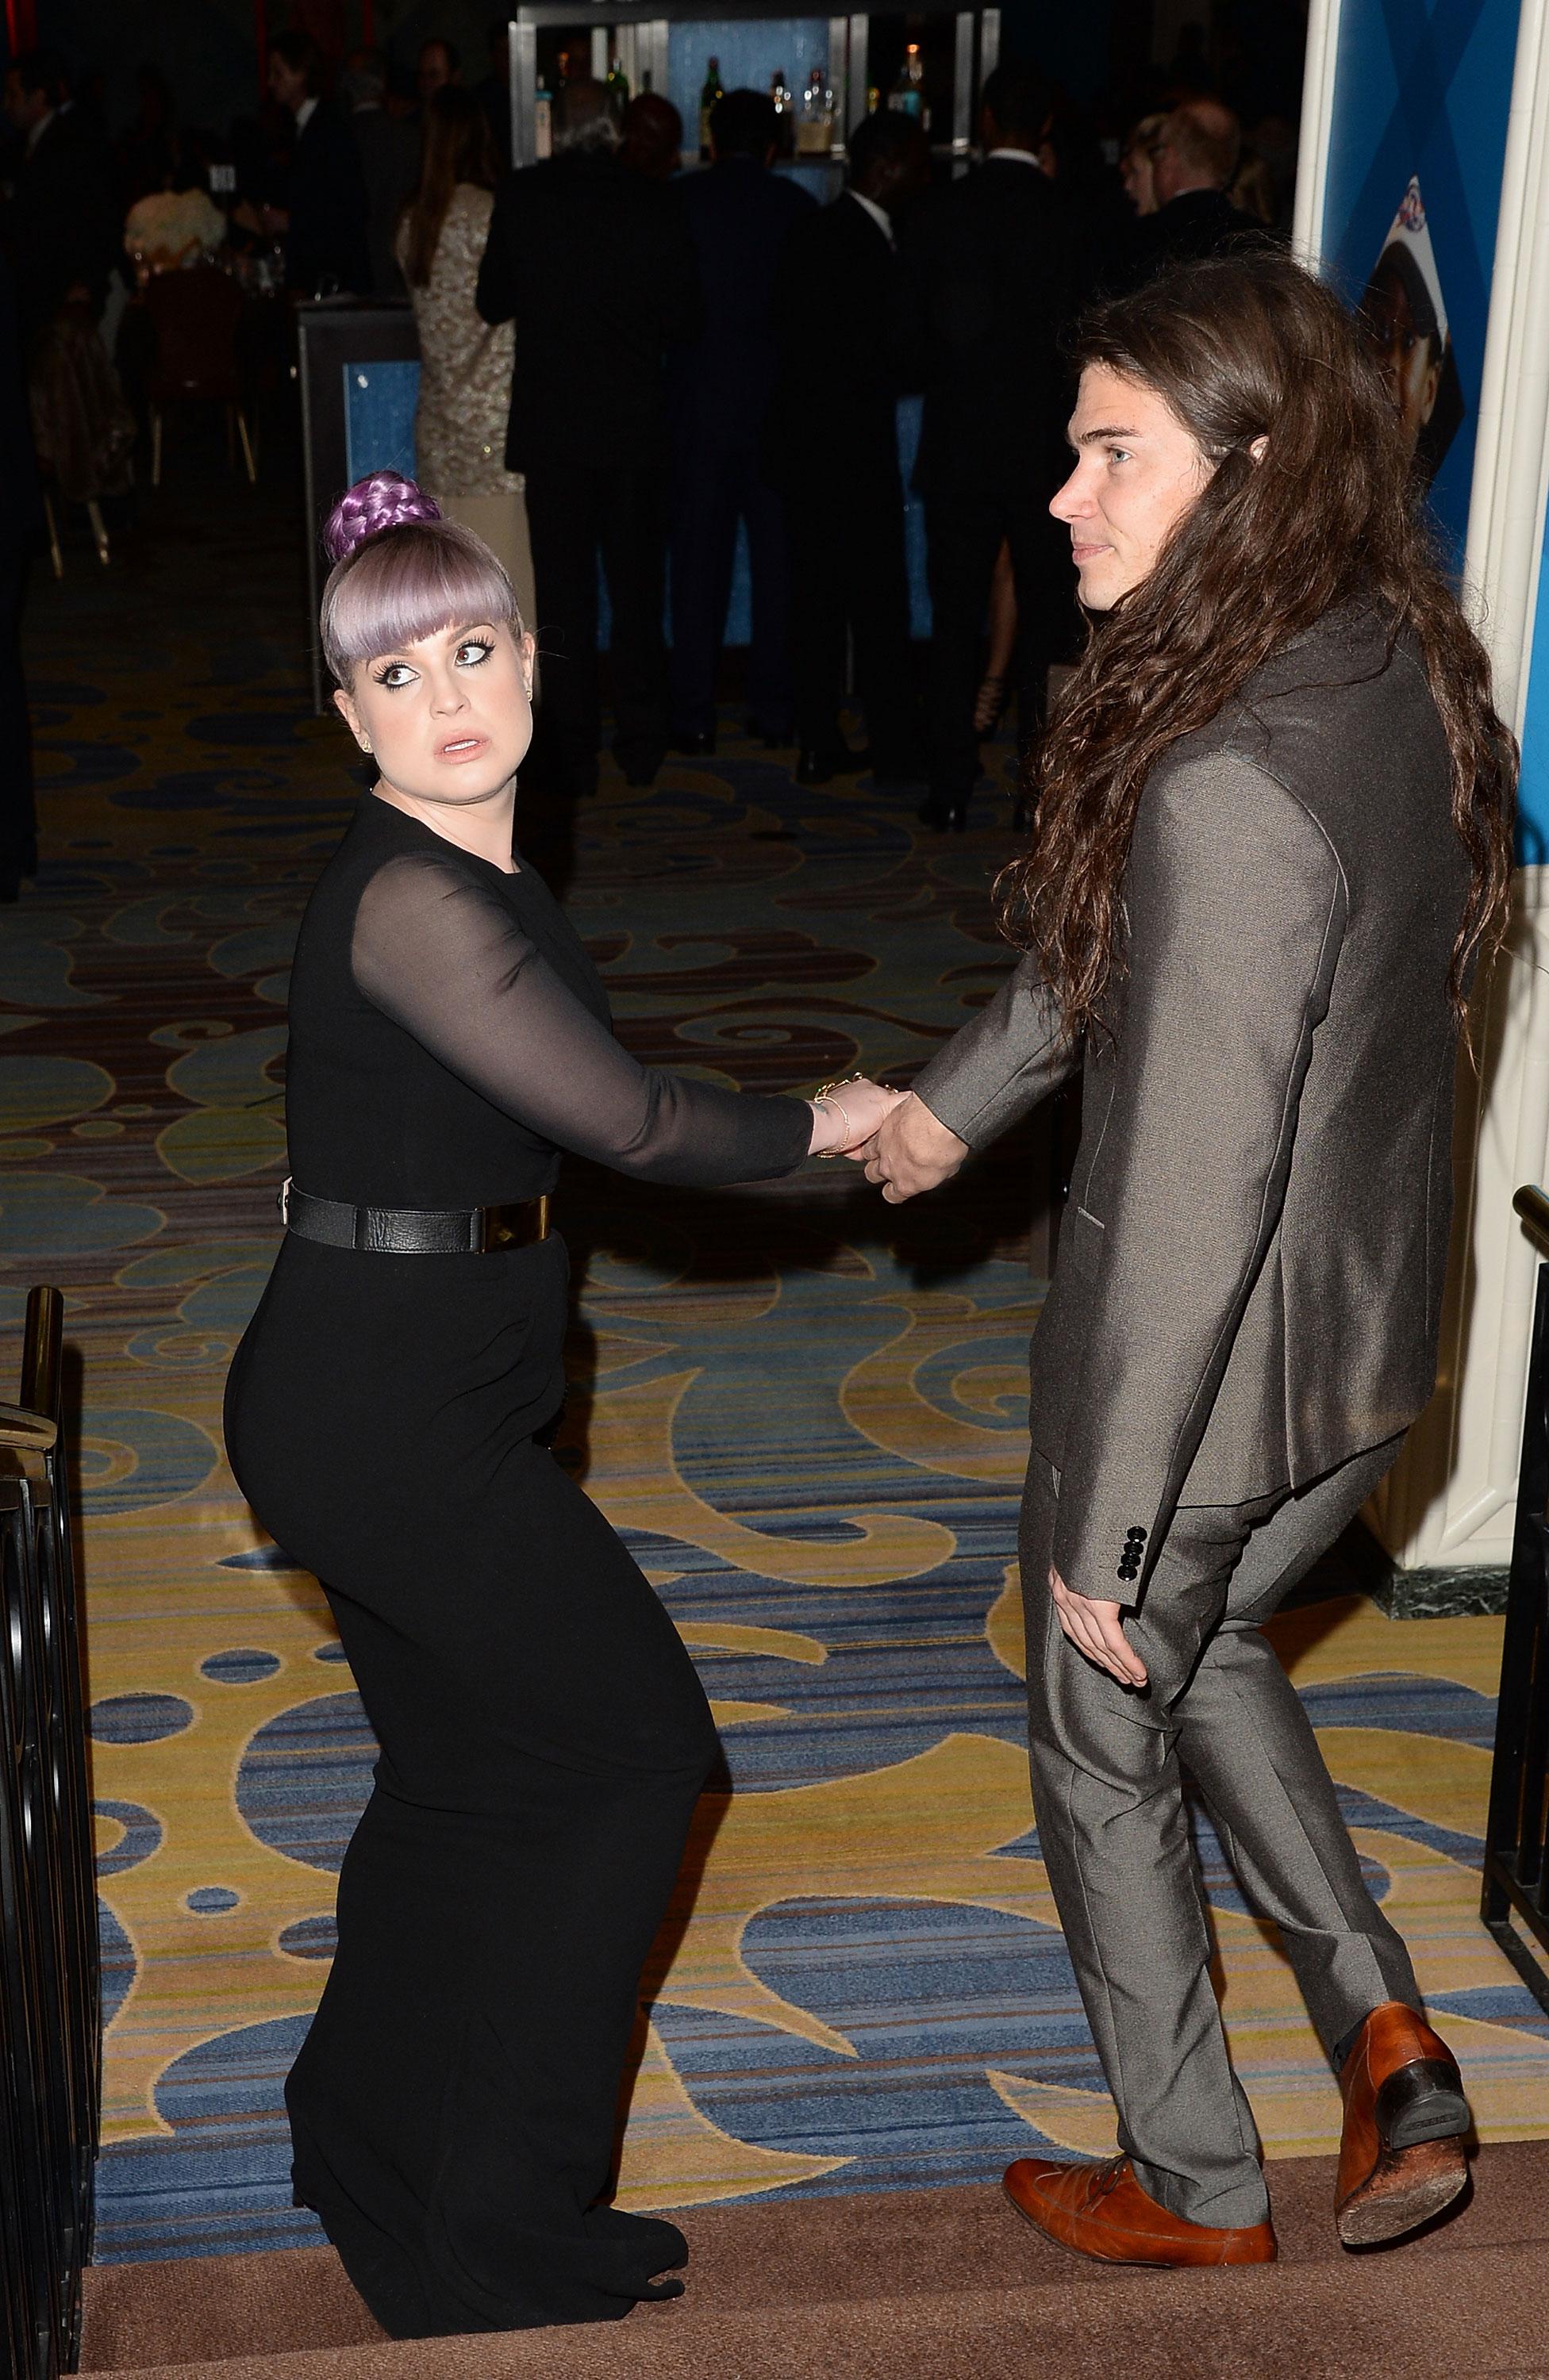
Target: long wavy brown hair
[(1240, 349), (458, 146)]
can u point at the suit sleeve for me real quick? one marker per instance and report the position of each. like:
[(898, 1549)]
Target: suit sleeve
[(1237, 909), (1002, 1062), (496, 292)]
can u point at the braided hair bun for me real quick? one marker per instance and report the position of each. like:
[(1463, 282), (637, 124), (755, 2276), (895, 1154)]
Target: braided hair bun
[(382, 500)]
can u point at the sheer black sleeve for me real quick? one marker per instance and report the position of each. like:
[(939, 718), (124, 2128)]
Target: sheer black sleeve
[(444, 958)]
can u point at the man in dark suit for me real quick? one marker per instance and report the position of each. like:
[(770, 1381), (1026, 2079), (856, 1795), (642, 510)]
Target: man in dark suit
[(833, 448), (739, 217), (324, 220), (596, 269), (988, 286), (389, 152), (65, 228), (1194, 159)]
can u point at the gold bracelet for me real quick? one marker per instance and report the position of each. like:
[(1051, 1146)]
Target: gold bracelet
[(823, 1096)]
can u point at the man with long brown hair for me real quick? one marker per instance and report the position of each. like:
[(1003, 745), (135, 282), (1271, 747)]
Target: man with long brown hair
[(1273, 836)]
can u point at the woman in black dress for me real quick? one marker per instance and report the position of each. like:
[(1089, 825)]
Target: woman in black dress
[(542, 1732)]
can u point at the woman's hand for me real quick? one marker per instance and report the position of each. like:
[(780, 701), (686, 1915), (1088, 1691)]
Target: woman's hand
[(847, 1116)]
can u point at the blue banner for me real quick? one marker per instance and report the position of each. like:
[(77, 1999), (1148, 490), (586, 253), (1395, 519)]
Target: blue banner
[(1415, 149)]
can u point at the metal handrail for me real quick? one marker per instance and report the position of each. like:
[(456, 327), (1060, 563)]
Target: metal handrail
[(1515, 1892), (50, 1962), (1534, 1206), (29, 1433)]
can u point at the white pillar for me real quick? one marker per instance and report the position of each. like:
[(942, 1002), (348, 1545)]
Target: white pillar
[(1449, 1501)]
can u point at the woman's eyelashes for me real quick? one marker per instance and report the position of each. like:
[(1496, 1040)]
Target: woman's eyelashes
[(469, 653)]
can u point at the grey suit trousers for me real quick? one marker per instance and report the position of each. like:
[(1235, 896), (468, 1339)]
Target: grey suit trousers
[(1107, 1792)]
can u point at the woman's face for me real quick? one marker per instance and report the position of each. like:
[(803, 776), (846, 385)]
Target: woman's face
[(1410, 357), (447, 718)]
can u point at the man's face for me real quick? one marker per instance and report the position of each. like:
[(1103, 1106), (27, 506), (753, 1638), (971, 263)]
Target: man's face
[(1410, 358), (1138, 471), (287, 83), (1168, 176), (434, 70)]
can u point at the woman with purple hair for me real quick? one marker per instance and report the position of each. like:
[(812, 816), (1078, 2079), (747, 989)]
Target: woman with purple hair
[(542, 1732)]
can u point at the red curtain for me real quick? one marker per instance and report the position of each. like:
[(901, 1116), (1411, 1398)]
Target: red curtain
[(21, 26)]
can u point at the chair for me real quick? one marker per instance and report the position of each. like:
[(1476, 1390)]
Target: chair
[(194, 317)]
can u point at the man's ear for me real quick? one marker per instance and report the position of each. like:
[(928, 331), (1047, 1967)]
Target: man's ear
[(1259, 448)]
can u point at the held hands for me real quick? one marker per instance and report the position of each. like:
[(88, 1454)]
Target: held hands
[(910, 1151), (1095, 1629), (846, 1119)]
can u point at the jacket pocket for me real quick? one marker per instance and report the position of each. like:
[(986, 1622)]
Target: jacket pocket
[(1080, 1242)]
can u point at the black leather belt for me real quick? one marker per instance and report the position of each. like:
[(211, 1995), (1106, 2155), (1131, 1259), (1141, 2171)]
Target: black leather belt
[(413, 1231)]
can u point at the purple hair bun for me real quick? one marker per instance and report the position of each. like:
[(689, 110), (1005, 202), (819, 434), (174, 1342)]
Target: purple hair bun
[(382, 500)]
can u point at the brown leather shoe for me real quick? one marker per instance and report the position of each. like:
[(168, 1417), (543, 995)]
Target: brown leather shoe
[(1401, 2154), (1101, 2210)]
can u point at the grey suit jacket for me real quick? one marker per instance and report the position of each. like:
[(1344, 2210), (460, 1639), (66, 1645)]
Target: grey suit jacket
[(1249, 1274)]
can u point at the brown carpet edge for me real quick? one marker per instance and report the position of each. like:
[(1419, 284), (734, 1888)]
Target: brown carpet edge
[(921, 2285)]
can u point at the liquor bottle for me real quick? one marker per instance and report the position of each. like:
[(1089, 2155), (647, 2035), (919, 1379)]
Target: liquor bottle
[(873, 97), (814, 117), (908, 94), (785, 111), (708, 97), (618, 87), (543, 123)]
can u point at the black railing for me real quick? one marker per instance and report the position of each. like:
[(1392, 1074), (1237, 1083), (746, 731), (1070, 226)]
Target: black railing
[(50, 1967), (1515, 1891)]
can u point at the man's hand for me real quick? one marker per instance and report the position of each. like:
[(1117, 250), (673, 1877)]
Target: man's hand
[(910, 1152), (1095, 1629)]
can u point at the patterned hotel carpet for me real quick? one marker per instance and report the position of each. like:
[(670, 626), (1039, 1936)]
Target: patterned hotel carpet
[(801, 1410)]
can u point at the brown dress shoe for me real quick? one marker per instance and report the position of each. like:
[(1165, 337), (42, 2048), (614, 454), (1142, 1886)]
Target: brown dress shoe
[(1101, 2210), (1401, 2155)]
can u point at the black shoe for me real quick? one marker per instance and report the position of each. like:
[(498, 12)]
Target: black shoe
[(820, 764), (699, 745), (944, 812)]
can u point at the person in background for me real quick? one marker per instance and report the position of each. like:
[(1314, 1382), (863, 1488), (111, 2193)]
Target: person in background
[(595, 269), (1135, 166), (322, 221), (740, 217), (990, 283), (1194, 160), (146, 151), (493, 92), (653, 141), (1252, 190), (64, 226), (465, 362), (389, 152), (833, 450), (438, 65)]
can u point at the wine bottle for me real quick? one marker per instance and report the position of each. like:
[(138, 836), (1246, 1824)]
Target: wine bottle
[(908, 94)]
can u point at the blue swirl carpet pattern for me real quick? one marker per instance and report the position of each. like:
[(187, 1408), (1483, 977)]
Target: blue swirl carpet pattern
[(803, 1410)]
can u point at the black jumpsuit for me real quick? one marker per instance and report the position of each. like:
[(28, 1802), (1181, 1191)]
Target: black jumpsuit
[(543, 1732)]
